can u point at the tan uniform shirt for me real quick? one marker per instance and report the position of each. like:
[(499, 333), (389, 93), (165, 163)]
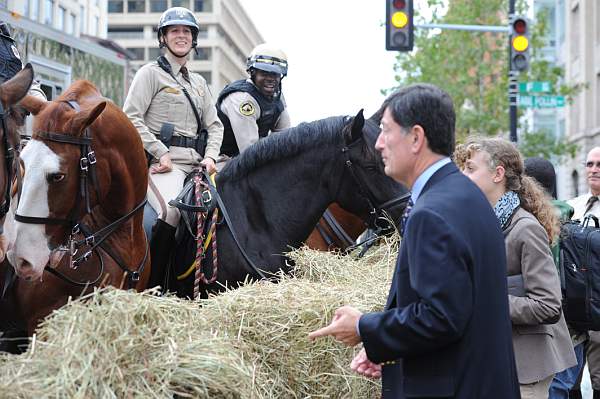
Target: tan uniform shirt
[(243, 112), (155, 98)]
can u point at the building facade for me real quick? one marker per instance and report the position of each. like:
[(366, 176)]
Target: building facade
[(581, 54), (226, 38), (73, 17)]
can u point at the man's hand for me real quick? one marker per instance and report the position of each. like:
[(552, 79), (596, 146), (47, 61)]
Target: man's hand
[(164, 165), (363, 366), (343, 326), (209, 164)]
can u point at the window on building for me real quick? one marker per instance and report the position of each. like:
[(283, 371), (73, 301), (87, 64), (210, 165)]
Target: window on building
[(203, 5), (126, 32), (71, 24), (34, 11), (60, 20), (575, 32), (82, 19), (575, 183), (48, 10), (136, 6), (153, 53), (181, 3), (203, 32), (158, 5), (137, 52), (207, 75), (115, 6), (204, 54)]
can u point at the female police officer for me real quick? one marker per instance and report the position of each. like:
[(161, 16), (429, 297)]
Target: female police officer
[(159, 104)]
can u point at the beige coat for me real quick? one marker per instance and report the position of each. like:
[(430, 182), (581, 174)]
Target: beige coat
[(541, 348)]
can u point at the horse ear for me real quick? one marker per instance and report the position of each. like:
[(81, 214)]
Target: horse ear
[(358, 122), (33, 104), (85, 118), (17, 87)]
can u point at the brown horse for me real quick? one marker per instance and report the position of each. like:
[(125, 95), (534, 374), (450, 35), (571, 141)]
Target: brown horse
[(336, 231), (11, 118), (78, 223)]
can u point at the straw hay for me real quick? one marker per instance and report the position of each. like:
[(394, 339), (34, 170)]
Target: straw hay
[(245, 343)]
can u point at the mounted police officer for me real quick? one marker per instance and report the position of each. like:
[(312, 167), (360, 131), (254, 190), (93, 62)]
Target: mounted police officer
[(252, 108), (175, 114)]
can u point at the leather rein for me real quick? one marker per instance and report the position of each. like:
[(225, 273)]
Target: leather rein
[(91, 240), (9, 160)]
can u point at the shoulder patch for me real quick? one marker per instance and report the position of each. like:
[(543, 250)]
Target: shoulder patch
[(246, 108), (15, 51), (171, 90)]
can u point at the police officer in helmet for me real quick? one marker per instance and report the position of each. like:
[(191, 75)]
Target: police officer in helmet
[(173, 110), (252, 108)]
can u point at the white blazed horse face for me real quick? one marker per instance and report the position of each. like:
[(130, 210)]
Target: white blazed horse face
[(31, 248)]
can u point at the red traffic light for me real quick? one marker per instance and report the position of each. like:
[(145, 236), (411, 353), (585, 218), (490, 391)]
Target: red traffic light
[(399, 4), (520, 26)]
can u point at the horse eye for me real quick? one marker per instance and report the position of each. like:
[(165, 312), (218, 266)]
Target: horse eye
[(56, 177)]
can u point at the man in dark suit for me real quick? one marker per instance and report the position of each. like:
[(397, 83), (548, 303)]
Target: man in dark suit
[(445, 331)]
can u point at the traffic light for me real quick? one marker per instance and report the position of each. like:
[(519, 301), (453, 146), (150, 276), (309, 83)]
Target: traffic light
[(519, 44), (399, 25)]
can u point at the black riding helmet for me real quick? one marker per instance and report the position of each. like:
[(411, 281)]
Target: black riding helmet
[(178, 16)]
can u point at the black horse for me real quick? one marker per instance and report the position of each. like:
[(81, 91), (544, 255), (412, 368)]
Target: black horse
[(276, 191)]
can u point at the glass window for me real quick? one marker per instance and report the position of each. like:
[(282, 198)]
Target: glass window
[(204, 54), (153, 53), (575, 182), (60, 21), (136, 6), (48, 10), (115, 6), (35, 10), (70, 24), (181, 3), (126, 33), (203, 32), (82, 19), (136, 52), (203, 5), (158, 5)]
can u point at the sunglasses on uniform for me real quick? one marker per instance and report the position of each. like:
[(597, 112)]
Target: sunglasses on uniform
[(591, 164)]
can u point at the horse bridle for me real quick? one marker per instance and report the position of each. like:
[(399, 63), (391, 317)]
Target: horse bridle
[(378, 219), (87, 172), (9, 160)]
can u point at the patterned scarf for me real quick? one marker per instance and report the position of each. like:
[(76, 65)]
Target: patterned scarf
[(506, 206)]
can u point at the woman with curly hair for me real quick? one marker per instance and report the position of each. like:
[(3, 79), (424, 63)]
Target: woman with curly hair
[(529, 222)]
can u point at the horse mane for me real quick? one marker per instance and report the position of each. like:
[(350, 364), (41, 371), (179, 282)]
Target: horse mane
[(284, 144)]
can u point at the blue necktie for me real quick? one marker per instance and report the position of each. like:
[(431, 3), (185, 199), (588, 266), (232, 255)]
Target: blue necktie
[(404, 218)]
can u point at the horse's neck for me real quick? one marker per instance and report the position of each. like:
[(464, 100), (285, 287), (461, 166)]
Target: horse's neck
[(285, 200)]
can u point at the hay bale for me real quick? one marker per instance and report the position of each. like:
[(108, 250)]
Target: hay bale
[(246, 343)]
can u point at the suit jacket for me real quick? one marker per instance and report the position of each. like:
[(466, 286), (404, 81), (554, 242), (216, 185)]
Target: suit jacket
[(540, 336), (447, 319)]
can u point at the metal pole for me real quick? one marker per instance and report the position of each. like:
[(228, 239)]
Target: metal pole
[(512, 80)]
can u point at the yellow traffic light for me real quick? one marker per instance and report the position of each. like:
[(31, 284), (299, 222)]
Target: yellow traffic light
[(520, 43), (399, 19)]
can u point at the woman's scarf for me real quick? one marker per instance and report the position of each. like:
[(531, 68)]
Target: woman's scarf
[(506, 206)]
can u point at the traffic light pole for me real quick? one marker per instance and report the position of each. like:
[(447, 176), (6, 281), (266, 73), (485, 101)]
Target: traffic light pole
[(512, 82)]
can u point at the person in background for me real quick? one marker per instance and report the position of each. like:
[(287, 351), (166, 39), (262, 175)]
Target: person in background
[(252, 108), (583, 205), (445, 330), (530, 224)]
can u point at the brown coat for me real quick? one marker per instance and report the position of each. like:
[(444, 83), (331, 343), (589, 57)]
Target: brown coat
[(540, 336)]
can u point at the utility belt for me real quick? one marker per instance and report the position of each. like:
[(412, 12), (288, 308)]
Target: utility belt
[(197, 143)]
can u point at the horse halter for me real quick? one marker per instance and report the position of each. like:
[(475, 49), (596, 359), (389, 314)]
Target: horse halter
[(378, 219), (9, 159), (87, 171)]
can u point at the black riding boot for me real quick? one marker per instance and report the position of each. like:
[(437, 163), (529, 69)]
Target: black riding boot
[(161, 245), (575, 394), (596, 394)]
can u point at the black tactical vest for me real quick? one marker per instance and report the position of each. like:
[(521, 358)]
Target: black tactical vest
[(270, 109), (10, 61)]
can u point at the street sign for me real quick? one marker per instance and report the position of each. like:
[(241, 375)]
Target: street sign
[(535, 87), (541, 101)]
